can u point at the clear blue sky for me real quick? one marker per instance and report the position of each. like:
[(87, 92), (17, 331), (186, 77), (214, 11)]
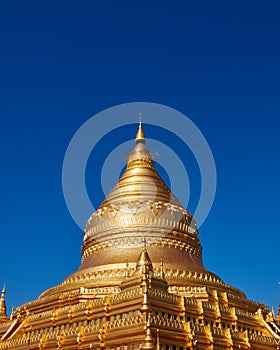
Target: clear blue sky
[(62, 62)]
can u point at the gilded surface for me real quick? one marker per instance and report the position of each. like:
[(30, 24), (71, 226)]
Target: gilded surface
[(141, 284)]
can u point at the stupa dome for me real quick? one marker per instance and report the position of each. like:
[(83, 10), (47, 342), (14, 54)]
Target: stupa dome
[(140, 206)]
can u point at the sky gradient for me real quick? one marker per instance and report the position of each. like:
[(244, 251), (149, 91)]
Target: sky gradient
[(63, 62)]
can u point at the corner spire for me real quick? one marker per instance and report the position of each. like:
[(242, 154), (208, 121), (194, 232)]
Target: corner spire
[(3, 309), (161, 269), (144, 242), (144, 263), (140, 136)]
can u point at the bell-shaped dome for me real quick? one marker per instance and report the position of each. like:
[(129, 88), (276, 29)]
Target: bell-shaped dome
[(141, 205)]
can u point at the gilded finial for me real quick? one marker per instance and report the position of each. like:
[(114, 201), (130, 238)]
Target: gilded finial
[(144, 242), (144, 263), (161, 269), (158, 344), (126, 269), (140, 136), (3, 310)]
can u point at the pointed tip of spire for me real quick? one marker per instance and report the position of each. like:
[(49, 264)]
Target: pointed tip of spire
[(3, 310), (144, 242), (140, 136), (161, 269), (144, 262)]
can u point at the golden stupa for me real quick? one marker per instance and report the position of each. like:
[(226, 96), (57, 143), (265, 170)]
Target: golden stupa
[(141, 283)]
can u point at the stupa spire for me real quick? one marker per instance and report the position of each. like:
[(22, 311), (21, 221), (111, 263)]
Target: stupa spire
[(144, 263), (140, 204), (140, 136), (3, 309)]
